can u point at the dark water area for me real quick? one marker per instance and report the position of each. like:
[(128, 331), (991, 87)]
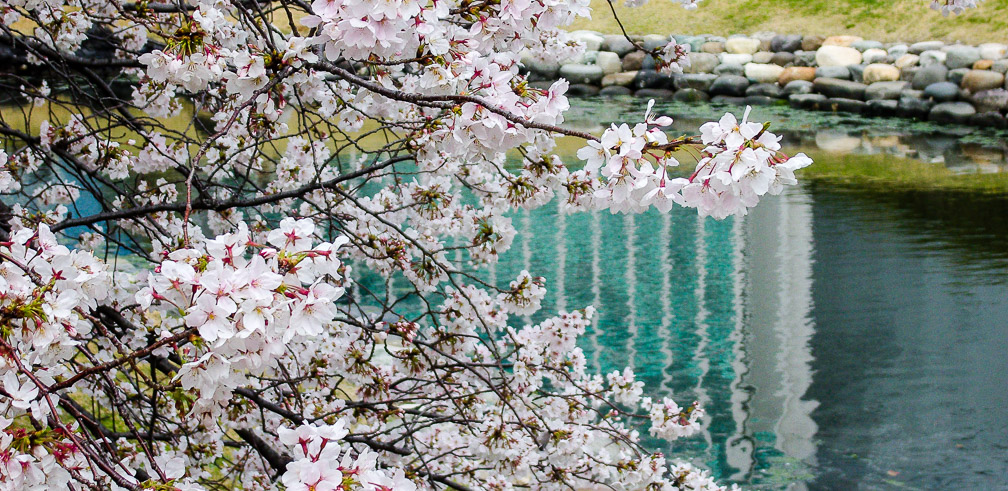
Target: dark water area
[(838, 339)]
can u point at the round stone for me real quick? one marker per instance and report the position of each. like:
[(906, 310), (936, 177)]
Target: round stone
[(786, 43), (840, 72), (609, 62), (615, 90), (712, 47), (832, 55), (701, 63), (979, 80), (796, 73), (942, 91), (798, 87), (898, 50), (865, 45), (729, 69), (907, 60), (812, 43), (582, 74), (732, 85), (691, 95), (633, 61), (993, 51), (933, 57), (617, 44), (885, 90), (990, 100), (951, 112), (592, 40), (874, 55), (836, 88), (742, 46), (763, 72), (762, 57), (929, 75), (918, 48), (961, 56), (878, 72), (783, 58), (621, 78)]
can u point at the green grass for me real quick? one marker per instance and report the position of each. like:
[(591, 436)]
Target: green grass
[(882, 20), (898, 174)]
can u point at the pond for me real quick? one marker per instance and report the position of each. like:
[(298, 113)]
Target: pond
[(838, 337)]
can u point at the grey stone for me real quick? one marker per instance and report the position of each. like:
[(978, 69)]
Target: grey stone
[(807, 101), (933, 57), (615, 90), (701, 63), (695, 42), (786, 43), (716, 39), (729, 69), (918, 48), (617, 44), (654, 93), (582, 90), (845, 105), (989, 119), (907, 73), (783, 58), (929, 75), (913, 106), (836, 88), (805, 58), (769, 90), (649, 63), (898, 50), (840, 72), (881, 107), (956, 76), (732, 85), (885, 90), (951, 112), (654, 41), (1000, 66), (760, 100), (798, 87), (990, 100), (857, 72), (542, 71), (691, 95), (865, 45), (699, 81), (961, 56), (942, 91), (650, 79), (582, 74)]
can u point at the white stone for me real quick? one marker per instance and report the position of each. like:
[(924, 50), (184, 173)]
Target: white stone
[(735, 59), (742, 46), (907, 60), (880, 72), (874, 55), (837, 56), (933, 57), (764, 73), (609, 61), (592, 40), (993, 51)]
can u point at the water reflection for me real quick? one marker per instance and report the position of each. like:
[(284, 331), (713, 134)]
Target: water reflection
[(961, 149)]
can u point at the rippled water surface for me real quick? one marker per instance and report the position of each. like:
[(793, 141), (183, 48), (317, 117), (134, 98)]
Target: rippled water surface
[(838, 338)]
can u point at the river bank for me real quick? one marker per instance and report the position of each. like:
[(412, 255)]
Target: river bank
[(928, 80)]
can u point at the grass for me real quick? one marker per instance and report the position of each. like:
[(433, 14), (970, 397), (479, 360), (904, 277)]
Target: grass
[(898, 174), (882, 20)]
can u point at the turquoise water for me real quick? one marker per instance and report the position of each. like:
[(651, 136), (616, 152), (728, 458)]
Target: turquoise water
[(837, 338)]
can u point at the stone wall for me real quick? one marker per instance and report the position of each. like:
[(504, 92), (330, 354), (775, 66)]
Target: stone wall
[(926, 80)]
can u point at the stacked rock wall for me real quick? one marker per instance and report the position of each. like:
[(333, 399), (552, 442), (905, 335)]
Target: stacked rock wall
[(927, 80)]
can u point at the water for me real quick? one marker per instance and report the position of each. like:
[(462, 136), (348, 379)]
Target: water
[(837, 338)]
